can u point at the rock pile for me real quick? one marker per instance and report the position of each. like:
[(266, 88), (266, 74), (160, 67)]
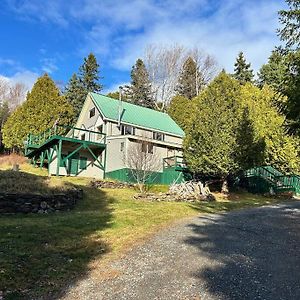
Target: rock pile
[(184, 192), (35, 203), (109, 184)]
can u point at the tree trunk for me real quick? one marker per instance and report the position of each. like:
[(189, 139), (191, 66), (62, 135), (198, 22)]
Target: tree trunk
[(224, 189)]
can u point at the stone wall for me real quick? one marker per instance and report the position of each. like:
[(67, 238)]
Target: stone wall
[(35, 203)]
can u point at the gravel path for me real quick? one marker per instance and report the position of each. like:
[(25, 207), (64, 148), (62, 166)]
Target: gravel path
[(249, 254)]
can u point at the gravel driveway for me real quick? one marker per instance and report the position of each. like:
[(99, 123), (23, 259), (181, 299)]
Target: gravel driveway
[(247, 254)]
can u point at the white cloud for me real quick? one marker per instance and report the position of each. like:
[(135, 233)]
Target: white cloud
[(114, 87), (119, 31), (26, 77), (49, 65)]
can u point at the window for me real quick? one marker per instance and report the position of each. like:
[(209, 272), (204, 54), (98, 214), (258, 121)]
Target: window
[(126, 129), (92, 112), (158, 136), (122, 145), (147, 147), (82, 137), (150, 148), (100, 130), (82, 163), (144, 147)]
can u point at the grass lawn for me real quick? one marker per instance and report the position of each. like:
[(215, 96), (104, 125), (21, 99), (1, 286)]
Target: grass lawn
[(40, 255)]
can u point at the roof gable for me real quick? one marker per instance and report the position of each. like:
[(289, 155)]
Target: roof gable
[(136, 115)]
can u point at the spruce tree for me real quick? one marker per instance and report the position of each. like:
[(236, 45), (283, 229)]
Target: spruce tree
[(89, 74), (190, 80), (242, 69), (43, 107), (75, 94), (140, 88), (80, 85), (290, 19)]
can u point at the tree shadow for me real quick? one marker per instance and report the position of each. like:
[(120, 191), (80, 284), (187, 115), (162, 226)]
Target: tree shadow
[(251, 254), (42, 255)]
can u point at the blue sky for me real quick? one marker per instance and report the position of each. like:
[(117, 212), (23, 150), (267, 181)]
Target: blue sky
[(53, 36)]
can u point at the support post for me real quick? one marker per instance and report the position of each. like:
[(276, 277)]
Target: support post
[(58, 157), (104, 164)]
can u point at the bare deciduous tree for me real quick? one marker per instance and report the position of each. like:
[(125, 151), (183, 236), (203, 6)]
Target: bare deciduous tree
[(142, 161), (164, 64)]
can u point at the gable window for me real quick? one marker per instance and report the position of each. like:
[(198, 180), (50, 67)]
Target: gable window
[(158, 136), (92, 112), (127, 129)]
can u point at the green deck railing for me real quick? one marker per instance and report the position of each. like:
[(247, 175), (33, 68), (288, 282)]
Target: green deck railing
[(267, 177), (35, 141), (176, 162)]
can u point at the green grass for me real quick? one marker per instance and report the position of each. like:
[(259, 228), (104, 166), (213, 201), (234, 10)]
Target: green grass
[(40, 255)]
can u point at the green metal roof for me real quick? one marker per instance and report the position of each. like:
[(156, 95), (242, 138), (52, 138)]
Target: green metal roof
[(136, 115)]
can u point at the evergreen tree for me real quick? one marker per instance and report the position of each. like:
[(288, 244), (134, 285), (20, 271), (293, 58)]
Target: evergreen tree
[(274, 145), (4, 114), (210, 145), (80, 85), (75, 94), (274, 72), (89, 74), (242, 70), (43, 107), (180, 110), (282, 73), (190, 80), (140, 88), (290, 19)]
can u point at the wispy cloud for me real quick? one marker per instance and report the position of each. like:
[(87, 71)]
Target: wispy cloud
[(118, 31), (49, 65)]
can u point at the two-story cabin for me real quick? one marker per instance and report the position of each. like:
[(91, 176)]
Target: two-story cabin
[(105, 130)]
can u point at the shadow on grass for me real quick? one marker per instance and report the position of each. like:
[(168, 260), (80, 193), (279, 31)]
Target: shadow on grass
[(42, 255), (253, 254), (21, 182)]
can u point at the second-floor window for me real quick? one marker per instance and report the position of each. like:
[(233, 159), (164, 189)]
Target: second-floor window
[(126, 129), (92, 112), (158, 136)]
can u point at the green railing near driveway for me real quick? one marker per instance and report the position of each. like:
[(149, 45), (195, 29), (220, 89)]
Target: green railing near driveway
[(266, 178)]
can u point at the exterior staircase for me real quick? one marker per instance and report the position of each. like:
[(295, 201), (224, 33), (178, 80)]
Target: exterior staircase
[(266, 179)]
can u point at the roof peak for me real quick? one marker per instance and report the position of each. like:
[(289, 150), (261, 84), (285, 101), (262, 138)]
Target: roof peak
[(129, 103)]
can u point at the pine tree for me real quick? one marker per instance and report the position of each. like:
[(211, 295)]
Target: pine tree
[(75, 94), (242, 70), (80, 85), (89, 74), (140, 88), (290, 19), (190, 80), (274, 72), (43, 107)]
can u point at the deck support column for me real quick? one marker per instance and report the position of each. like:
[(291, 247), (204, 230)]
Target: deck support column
[(58, 157)]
